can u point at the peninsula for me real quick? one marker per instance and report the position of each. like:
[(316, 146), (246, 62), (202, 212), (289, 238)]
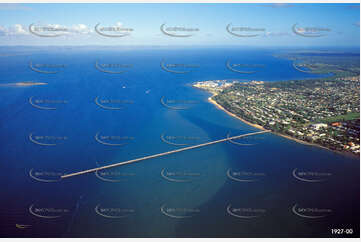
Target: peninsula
[(324, 113)]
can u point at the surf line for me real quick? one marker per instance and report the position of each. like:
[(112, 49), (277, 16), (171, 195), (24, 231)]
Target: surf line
[(161, 154)]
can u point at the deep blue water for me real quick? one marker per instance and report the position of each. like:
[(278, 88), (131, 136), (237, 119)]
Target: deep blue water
[(198, 192)]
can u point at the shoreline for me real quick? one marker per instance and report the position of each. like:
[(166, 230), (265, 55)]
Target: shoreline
[(233, 115), (279, 134)]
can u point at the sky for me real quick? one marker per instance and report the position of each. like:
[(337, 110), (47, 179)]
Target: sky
[(258, 24)]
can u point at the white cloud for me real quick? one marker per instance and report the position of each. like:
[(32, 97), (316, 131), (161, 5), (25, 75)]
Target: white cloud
[(14, 30), (64, 30), (80, 29), (3, 31), (276, 34), (19, 29)]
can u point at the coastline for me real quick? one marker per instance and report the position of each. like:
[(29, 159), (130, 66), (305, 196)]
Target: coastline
[(233, 115), (279, 134)]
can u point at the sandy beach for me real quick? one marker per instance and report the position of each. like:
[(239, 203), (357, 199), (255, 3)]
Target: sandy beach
[(262, 128), (23, 84), (27, 84), (233, 115)]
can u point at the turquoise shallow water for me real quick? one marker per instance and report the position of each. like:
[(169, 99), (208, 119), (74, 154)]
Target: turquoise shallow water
[(224, 190)]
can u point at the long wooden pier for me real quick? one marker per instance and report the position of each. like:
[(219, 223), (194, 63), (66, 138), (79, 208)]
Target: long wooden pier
[(160, 154)]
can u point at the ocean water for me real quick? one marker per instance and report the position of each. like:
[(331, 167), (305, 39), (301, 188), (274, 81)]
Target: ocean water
[(249, 189)]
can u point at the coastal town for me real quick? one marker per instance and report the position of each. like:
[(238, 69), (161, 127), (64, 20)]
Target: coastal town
[(321, 112)]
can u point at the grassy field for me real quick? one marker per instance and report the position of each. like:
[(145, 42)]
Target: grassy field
[(346, 117)]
